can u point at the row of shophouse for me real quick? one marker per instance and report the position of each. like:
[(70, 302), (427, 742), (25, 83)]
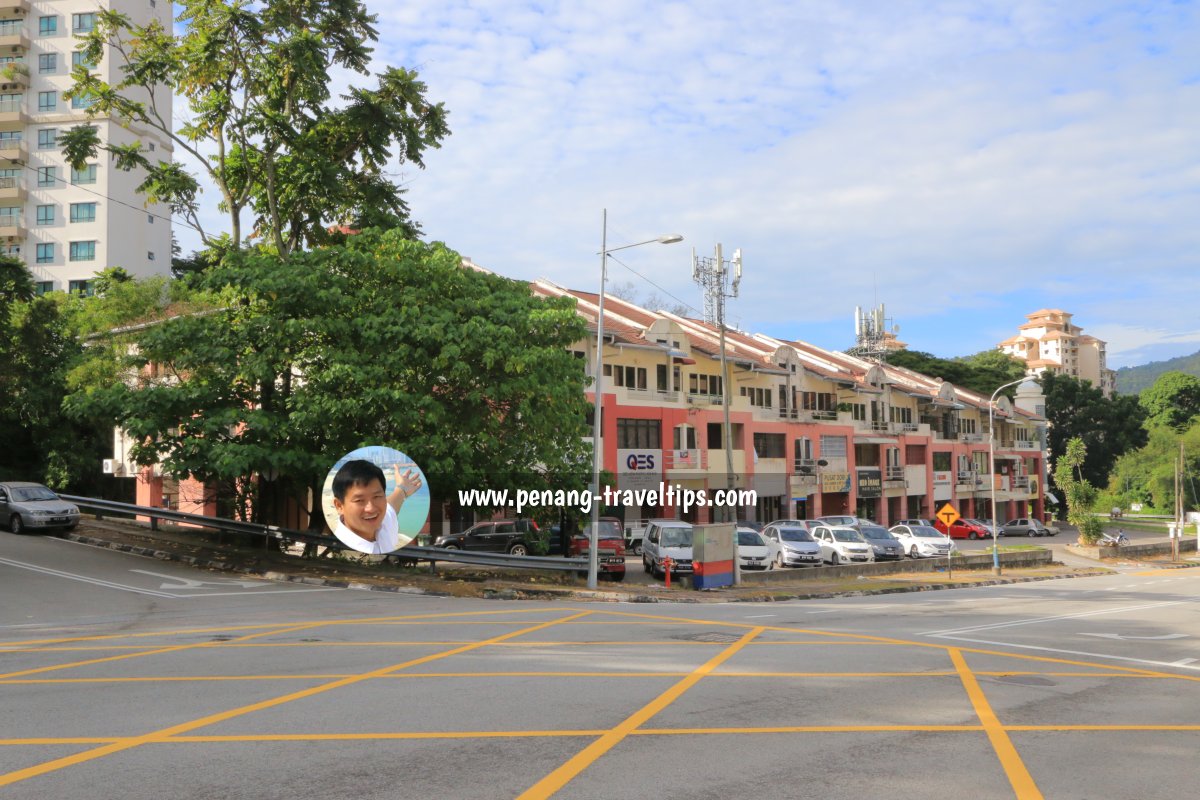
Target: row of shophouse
[(812, 432)]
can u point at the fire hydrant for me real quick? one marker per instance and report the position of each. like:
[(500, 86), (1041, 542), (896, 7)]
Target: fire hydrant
[(667, 564)]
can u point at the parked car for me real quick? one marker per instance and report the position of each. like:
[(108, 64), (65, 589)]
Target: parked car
[(634, 535), (752, 524), (494, 536), (963, 529), (806, 524), (884, 545), (32, 506), (753, 551), (1025, 526), (667, 538), (986, 524), (610, 547), (792, 543), (840, 521), (840, 544), (924, 522), (923, 541)]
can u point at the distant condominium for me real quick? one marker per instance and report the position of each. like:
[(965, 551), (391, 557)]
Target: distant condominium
[(65, 223), (1049, 342)]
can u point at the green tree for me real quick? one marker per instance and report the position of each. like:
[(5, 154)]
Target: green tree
[(1147, 475), (1108, 426), (982, 372), (1079, 493), (1173, 400), (383, 340), (256, 79)]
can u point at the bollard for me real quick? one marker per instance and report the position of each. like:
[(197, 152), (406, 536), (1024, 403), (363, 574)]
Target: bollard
[(667, 564)]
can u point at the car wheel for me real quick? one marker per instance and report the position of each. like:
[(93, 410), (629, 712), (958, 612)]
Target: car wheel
[(450, 547), (779, 560), (645, 566), (770, 566), (15, 525), (972, 535), (835, 558), (618, 577), (637, 550), (518, 550), (913, 552)]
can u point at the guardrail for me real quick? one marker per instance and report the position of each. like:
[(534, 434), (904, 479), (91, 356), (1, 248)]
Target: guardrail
[(99, 508)]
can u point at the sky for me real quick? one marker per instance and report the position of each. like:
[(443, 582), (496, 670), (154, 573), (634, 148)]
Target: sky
[(963, 162)]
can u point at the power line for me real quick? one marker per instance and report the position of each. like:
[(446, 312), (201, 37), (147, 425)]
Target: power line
[(683, 303)]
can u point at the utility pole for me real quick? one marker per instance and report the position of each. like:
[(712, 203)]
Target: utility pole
[(712, 274)]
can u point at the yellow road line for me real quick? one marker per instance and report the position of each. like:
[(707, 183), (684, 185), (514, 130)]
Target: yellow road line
[(1010, 760), (811, 729), (560, 777), (116, 747), (156, 651)]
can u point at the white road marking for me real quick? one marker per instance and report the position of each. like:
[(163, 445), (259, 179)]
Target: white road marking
[(1124, 637), (1183, 662), (152, 592), (1036, 620), (1180, 665), (189, 583), (760, 616)]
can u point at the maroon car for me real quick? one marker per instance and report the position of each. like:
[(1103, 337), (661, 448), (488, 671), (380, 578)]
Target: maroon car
[(610, 547), (963, 529)]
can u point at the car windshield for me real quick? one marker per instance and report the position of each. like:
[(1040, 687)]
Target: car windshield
[(795, 535), (609, 529), (749, 539), (677, 537), (875, 532), (843, 535), (29, 493), (924, 532)]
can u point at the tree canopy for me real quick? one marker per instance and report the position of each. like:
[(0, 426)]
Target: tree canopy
[(1173, 400), (1107, 426), (382, 340), (256, 77), (982, 372)]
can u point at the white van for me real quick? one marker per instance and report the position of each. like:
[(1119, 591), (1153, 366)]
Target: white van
[(667, 538)]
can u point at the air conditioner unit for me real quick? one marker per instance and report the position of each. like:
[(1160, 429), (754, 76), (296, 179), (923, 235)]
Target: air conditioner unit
[(107, 466)]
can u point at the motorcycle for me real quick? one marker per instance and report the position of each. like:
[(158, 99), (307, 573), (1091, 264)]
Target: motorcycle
[(1108, 540)]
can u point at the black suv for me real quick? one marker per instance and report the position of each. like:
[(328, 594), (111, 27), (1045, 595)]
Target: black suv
[(494, 536)]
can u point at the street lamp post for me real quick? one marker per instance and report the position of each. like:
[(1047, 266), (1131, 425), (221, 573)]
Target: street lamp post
[(597, 454), (992, 470)]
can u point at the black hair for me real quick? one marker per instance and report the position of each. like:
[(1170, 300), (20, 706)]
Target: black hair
[(356, 473)]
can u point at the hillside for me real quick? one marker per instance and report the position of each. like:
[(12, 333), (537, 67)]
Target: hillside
[(1131, 380)]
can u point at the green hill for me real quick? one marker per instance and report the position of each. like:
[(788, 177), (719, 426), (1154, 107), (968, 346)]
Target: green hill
[(1131, 380)]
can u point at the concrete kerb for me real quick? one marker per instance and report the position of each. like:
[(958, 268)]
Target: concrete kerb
[(684, 596)]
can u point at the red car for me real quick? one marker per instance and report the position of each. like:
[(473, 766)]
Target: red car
[(963, 529), (610, 547)]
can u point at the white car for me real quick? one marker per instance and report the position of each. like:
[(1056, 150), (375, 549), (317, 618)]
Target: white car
[(922, 541), (667, 538), (753, 551), (840, 521), (841, 545)]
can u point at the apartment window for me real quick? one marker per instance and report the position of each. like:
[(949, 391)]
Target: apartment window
[(47, 63), (770, 445), (639, 434), (684, 437), (45, 286), (83, 23), (47, 26), (704, 384), (47, 138), (47, 101), (833, 446), (818, 401), (85, 175), (81, 100), (79, 59), (758, 397), (858, 411), (83, 212), (47, 176), (83, 251), (10, 216), (629, 377), (941, 461), (45, 215), (45, 253), (149, 255), (81, 287), (150, 221)]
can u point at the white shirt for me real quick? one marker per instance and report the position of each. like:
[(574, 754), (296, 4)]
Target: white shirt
[(386, 540)]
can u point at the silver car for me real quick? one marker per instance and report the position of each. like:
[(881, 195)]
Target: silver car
[(794, 546), (31, 506)]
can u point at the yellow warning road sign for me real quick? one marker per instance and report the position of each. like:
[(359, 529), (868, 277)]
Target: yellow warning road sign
[(948, 514)]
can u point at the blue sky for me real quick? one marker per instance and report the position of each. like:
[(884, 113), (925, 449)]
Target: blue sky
[(965, 163)]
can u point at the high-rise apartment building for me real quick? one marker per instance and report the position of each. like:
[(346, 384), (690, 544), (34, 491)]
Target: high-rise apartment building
[(1050, 342), (68, 224)]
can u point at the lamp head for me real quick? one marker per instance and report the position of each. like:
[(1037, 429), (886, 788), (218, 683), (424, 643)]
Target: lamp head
[(670, 238)]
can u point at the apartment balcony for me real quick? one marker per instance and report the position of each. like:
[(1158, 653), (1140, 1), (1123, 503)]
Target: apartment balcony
[(11, 227), (967, 478), (12, 189), (1020, 483), (694, 460), (1021, 444), (970, 437), (12, 112), (893, 476), (12, 152), (646, 395), (14, 8), (12, 33)]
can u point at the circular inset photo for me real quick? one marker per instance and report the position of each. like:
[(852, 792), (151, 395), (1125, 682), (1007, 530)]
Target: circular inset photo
[(376, 499)]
